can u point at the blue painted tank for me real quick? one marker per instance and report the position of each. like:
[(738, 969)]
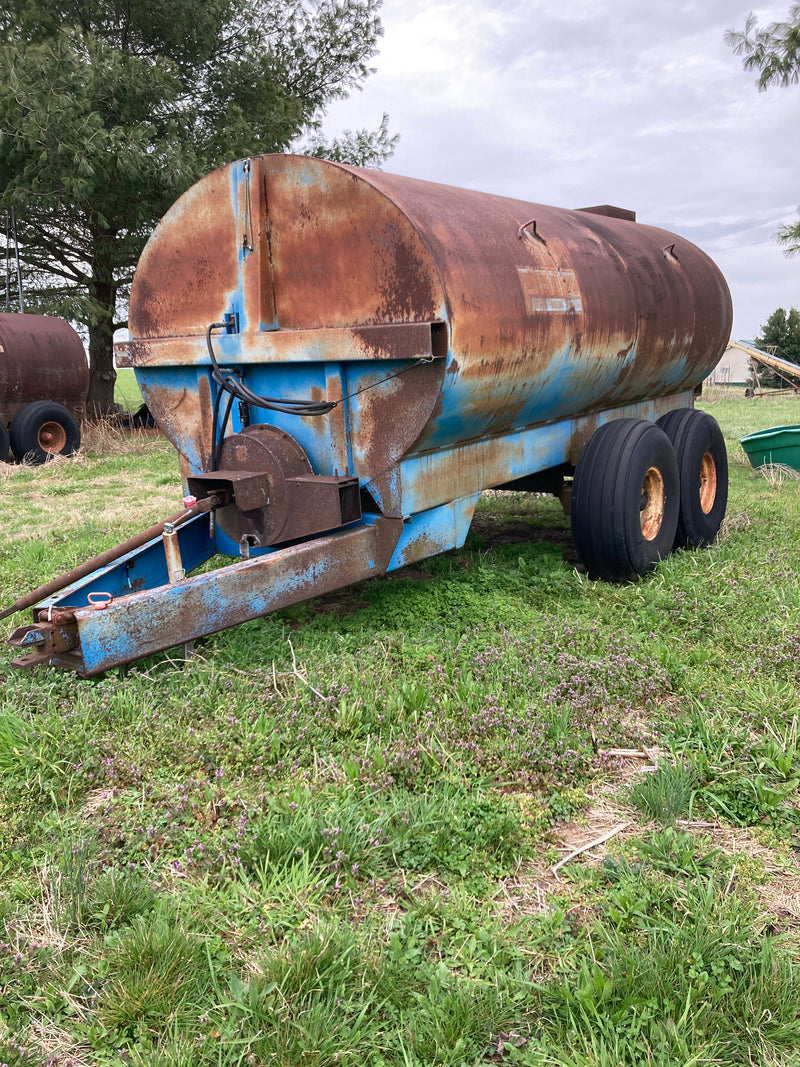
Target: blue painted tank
[(346, 359), (452, 320)]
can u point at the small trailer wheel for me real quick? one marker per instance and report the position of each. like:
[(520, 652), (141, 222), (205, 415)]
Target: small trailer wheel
[(44, 429), (703, 468), (625, 500), (4, 443)]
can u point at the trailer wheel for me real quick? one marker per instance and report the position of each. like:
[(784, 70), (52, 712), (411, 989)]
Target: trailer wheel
[(625, 500), (3, 443), (703, 468), (44, 429)]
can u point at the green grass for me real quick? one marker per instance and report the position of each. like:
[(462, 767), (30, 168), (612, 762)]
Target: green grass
[(666, 794), (126, 390), (329, 837)]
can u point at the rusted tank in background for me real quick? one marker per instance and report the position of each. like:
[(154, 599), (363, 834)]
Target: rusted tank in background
[(44, 381), (345, 359)]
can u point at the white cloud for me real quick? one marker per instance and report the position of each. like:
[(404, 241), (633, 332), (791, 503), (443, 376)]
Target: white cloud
[(573, 102)]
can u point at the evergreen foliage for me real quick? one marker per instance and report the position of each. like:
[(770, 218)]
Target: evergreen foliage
[(775, 53), (108, 112), (780, 335)]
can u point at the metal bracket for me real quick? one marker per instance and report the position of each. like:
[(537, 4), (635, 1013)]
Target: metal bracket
[(43, 642)]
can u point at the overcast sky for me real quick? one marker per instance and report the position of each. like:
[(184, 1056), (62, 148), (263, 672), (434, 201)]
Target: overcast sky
[(577, 102)]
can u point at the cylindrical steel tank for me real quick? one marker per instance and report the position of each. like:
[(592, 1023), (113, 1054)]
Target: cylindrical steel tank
[(41, 358), (338, 278), (346, 359)]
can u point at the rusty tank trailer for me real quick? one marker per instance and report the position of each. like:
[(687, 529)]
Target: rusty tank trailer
[(345, 359), (44, 381)]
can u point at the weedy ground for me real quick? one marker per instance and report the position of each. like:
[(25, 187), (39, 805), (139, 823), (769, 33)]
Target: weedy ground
[(342, 834)]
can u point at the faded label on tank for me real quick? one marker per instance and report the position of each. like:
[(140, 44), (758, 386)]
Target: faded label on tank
[(549, 290)]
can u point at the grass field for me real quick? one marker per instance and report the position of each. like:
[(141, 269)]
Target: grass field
[(351, 832), (126, 390)]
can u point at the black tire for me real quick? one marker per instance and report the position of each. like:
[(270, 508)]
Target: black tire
[(42, 430), (625, 500), (703, 469), (4, 443)]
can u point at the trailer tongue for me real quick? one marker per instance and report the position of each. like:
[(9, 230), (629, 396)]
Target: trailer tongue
[(117, 625)]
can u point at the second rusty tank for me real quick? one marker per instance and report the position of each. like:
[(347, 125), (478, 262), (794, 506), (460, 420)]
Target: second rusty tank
[(44, 381)]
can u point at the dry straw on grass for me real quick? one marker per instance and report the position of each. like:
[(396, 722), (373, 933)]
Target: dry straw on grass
[(733, 521), (72, 491), (776, 474), (99, 437), (107, 437)]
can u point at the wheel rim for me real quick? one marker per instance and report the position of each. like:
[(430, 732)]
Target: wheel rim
[(651, 509), (52, 438), (708, 482)]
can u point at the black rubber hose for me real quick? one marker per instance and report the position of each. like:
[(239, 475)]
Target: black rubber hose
[(271, 403)]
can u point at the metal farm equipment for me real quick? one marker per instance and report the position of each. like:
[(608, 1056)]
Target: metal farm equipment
[(345, 359), (44, 380)]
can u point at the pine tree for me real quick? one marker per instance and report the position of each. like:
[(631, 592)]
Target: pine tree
[(109, 111), (779, 335)]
